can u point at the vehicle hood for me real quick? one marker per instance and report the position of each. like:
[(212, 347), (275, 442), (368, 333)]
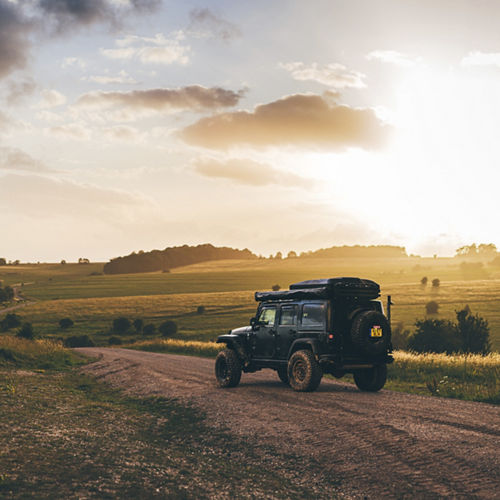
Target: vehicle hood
[(241, 330)]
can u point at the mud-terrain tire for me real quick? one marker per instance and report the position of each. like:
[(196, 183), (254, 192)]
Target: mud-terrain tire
[(227, 368), (361, 327), (371, 379), (283, 374), (304, 372)]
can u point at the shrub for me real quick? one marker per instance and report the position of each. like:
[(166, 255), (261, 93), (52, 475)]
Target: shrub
[(26, 332), (149, 329), (436, 282), (434, 335), (138, 325), (121, 325), (400, 337), (168, 328), (473, 332), (79, 341), (432, 307), (65, 323), (11, 320), (424, 281), (200, 310), (276, 288), (115, 341)]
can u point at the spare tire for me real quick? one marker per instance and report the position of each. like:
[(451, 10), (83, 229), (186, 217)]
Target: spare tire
[(370, 331)]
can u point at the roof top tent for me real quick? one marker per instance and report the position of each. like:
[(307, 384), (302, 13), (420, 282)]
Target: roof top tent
[(328, 288)]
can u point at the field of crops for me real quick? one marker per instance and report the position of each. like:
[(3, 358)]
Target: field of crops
[(225, 289)]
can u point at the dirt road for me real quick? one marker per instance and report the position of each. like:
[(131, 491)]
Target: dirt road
[(383, 445)]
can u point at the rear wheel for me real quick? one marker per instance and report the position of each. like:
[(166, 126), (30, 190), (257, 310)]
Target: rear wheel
[(304, 372), (227, 368), (371, 379), (283, 374)]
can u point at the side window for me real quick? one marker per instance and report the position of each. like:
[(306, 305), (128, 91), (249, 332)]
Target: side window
[(288, 315), (313, 315), (268, 315)]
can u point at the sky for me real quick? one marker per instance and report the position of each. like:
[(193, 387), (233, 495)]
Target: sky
[(130, 125)]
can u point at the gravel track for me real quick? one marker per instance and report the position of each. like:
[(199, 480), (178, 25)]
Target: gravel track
[(382, 445)]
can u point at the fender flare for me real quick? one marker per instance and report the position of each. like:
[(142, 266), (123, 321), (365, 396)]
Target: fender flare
[(308, 343)]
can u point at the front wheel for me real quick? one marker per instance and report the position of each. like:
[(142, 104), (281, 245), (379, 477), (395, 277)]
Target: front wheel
[(371, 379), (304, 372), (227, 368)]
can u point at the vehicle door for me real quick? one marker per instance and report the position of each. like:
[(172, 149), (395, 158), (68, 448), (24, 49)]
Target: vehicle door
[(265, 345), (286, 331)]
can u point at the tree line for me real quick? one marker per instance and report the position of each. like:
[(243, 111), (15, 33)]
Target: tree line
[(171, 257)]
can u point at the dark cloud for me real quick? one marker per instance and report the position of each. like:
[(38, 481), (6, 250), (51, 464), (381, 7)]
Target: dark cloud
[(249, 172), (14, 38), (16, 160), (305, 121), (194, 97), (21, 23), (205, 24), (18, 90)]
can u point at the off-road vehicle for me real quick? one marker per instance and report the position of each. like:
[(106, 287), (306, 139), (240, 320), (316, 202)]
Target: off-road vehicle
[(332, 325)]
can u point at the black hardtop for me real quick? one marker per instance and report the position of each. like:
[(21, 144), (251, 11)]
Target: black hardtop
[(326, 288)]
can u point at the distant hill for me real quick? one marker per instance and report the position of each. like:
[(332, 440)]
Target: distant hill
[(160, 260), (373, 251)]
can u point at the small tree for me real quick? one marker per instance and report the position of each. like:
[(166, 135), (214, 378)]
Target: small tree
[(424, 281), (115, 340), (121, 325), (473, 332), (63, 262), (432, 307), (291, 255), (434, 335), (12, 320), (26, 332), (149, 329), (276, 288), (65, 323), (79, 341), (200, 310), (436, 282), (138, 325), (168, 328), (3, 261)]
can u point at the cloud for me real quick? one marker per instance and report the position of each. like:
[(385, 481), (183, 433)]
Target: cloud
[(18, 90), (122, 78), (249, 172), (70, 131), (193, 98), (24, 23), (51, 99), (304, 121), (479, 58), (156, 50), (14, 42), (17, 160), (205, 24), (334, 74), (122, 133), (393, 57)]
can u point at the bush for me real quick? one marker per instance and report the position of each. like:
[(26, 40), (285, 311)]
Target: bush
[(432, 307), (149, 329), (436, 282), (115, 341), (26, 332), (138, 325), (6, 294), (276, 288), (473, 332), (65, 323), (434, 335), (11, 320), (200, 310), (400, 337), (79, 341), (424, 281), (168, 328), (121, 325)]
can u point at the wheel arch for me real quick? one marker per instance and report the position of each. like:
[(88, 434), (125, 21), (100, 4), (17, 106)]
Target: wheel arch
[(311, 344)]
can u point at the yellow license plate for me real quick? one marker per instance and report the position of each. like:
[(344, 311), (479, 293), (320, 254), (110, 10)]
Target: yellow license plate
[(376, 331)]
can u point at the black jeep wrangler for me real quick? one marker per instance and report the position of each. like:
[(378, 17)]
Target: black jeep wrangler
[(322, 326)]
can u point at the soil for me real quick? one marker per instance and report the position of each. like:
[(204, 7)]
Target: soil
[(376, 445)]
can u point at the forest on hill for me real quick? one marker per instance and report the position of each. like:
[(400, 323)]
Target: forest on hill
[(171, 257), (356, 251)]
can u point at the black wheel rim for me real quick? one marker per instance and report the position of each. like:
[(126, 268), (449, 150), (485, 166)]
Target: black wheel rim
[(299, 371)]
